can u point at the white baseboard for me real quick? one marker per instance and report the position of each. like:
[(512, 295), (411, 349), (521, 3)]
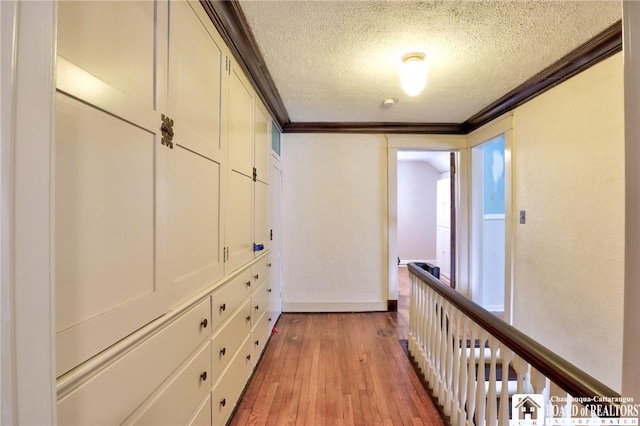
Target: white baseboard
[(334, 306), (404, 262), (494, 308)]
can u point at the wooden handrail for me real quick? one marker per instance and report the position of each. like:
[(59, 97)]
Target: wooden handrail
[(567, 376)]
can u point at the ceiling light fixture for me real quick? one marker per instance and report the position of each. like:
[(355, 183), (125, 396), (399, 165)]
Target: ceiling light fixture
[(413, 73)]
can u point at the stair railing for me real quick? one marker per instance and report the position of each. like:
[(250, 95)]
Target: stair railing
[(483, 371)]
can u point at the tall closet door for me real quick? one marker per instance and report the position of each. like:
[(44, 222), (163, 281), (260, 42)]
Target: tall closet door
[(261, 215), (240, 130), (189, 214), (261, 156), (107, 137), (262, 143), (275, 219), (238, 206)]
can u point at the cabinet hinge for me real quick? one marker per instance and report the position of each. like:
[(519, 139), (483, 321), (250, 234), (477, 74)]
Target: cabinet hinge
[(255, 174), (224, 255), (166, 128), (270, 234)]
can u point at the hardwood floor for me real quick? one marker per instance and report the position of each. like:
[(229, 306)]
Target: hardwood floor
[(337, 369)]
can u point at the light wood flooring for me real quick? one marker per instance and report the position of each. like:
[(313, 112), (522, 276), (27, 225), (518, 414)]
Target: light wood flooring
[(337, 369)]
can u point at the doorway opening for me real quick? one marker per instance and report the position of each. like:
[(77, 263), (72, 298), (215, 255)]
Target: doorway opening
[(488, 226), (424, 213)]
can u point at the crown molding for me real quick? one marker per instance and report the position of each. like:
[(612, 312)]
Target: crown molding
[(599, 48), (229, 20), (374, 127)]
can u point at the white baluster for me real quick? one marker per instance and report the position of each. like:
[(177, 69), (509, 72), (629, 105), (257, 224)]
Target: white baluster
[(472, 375), (412, 315), (456, 324), (539, 382), (481, 400), (522, 373), (441, 351), (431, 338), (420, 324), (492, 399), (506, 355), (461, 344)]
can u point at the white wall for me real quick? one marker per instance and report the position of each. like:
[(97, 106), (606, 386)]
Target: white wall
[(569, 257), (335, 222), (417, 211)]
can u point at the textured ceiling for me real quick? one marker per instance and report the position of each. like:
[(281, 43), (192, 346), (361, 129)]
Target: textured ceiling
[(337, 61)]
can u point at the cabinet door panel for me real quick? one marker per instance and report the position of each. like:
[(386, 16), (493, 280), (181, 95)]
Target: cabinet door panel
[(240, 105), (106, 140), (189, 238), (109, 50), (262, 143), (239, 225), (195, 61), (104, 213), (261, 215)]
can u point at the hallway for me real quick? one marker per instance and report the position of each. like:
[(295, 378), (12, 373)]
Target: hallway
[(337, 368)]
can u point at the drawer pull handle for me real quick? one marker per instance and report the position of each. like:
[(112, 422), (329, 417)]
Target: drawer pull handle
[(248, 318), (223, 307), (248, 283), (257, 342), (223, 351), (249, 357), (223, 402), (203, 376), (257, 276), (269, 264), (257, 307), (204, 323), (269, 290)]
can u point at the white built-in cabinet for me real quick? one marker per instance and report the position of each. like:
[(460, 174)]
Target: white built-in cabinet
[(163, 216), (443, 226)]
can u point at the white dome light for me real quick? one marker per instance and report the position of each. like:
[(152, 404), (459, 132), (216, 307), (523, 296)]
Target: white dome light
[(413, 73)]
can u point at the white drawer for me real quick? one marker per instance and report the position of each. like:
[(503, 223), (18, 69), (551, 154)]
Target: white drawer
[(179, 398), (259, 302), (260, 335), (226, 300), (130, 380), (229, 388), (260, 271), (202, 417), (228, 340)]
